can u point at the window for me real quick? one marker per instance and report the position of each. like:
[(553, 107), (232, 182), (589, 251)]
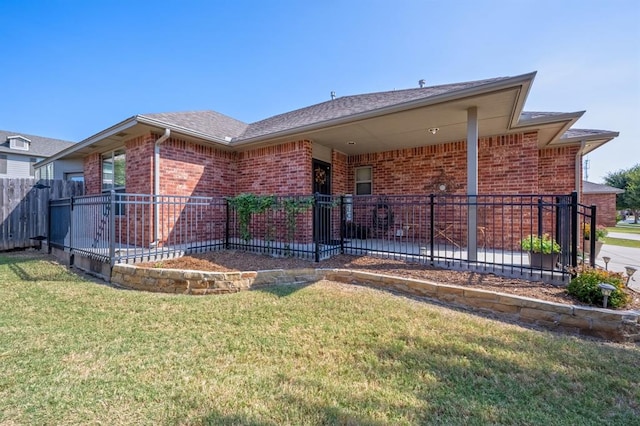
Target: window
[(18, 142), (364, 181), (74, 176), (32, 170), (3, 164), (113, 171), (45, 172), (113, 176)]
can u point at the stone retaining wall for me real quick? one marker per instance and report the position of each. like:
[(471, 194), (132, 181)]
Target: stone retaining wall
[(582, 320)]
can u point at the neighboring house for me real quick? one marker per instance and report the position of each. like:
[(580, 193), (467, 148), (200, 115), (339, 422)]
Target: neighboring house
[(604, 198), (398, 142), (19, 153)]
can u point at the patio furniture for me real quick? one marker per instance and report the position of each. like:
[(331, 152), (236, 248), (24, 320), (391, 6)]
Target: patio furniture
[(382, 218), (444, 232)]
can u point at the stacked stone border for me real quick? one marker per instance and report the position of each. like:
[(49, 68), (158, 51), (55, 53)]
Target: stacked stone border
[(619, 326)]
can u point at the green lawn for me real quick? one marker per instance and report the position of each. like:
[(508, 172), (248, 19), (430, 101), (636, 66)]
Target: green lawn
[(76, 352), (624, 242), (628, 228)]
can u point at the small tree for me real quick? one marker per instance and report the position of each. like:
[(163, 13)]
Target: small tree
[(629, 181)]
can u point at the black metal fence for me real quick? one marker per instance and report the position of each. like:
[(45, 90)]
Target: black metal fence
[(483, 232)]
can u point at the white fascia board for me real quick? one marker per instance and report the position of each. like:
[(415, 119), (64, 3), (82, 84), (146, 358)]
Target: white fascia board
[(550, 119), (19, 137), (521, 80), (117, 128), (594, 137)]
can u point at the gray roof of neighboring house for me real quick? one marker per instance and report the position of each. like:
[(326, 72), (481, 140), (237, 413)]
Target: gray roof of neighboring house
[(598, 188), (208, 122), (40, 146)]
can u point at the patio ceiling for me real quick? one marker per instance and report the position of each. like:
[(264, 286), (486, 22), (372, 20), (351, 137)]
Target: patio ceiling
[(409, 129)]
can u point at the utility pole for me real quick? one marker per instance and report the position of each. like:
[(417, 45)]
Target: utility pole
[(586, 169)]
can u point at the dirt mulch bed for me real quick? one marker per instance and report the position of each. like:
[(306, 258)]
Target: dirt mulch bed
[(228, 261)]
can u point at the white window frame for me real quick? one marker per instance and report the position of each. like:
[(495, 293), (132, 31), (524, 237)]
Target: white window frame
[(108, 186), (32, 163), (74, 176), (120, 207), (356, 181), (22, 146)]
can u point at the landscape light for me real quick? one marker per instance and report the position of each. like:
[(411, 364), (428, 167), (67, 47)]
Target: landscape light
[(606, 292), (630, 271)]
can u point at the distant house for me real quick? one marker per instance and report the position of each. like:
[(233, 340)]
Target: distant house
[(604, 198), (20, 152)]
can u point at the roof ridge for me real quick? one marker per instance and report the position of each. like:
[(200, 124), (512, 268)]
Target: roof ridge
[(29, 135)]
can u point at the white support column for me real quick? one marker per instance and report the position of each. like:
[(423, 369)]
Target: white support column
[(472, 183)]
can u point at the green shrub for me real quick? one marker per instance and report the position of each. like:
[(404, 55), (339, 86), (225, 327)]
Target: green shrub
[(536, 244), (584, 287)]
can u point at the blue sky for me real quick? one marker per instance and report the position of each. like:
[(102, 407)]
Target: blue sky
[(73, 68)]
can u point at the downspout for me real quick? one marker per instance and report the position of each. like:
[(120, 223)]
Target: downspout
[(156, 183), (583, 145)]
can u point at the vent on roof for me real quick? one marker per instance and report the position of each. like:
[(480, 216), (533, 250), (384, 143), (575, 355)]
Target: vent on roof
[(422, 83), (333, 95)]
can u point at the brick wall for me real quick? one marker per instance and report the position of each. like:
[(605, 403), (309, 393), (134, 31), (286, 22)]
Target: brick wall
[(505, 164), (191, 169), (283, 169), (339, 174), (139, 164), (414, 170), (93, 174), (605, 207), (508, 164), (557, 170)]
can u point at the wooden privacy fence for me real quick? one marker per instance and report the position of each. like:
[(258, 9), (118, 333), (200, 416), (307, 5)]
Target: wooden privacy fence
[(24, 212)]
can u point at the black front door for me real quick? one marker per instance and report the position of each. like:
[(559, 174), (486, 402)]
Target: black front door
[(321, 176)]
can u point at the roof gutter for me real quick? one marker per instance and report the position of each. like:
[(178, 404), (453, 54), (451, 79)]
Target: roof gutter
[(182, 130), (117, 128), (578, 177), (156, 180)]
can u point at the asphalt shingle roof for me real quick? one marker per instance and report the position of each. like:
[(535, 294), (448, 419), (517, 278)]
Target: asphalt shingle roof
[(583, 133), (40, 146), (350, 105), (208, 122), (221, 126), (598, 188), (532, 115)]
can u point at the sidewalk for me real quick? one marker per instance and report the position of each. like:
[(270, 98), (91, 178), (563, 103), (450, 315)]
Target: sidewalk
[(620, 258), (624, 236)]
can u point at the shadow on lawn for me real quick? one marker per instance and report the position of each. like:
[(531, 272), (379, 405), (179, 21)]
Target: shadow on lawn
[(310, 415), (283, 290), (31, 266)]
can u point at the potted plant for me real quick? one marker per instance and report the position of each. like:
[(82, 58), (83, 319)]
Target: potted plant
[(601, 232), (544, 251)]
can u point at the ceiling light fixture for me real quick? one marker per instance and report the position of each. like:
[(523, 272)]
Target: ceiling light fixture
[(433, 130)]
